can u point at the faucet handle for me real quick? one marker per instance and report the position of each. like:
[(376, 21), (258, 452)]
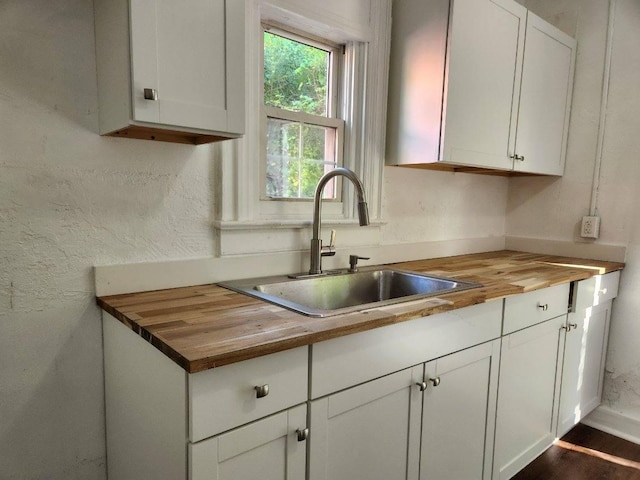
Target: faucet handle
[(353, 262), (329, 250)]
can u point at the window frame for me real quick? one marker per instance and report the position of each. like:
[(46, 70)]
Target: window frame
[(241, 219), (333, 115), (304, 119)]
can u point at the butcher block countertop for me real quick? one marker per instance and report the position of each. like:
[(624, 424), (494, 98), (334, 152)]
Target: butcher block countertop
[(207, 326)]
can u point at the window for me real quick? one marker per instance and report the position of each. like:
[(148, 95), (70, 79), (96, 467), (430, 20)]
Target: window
[(303, 137), (266, 207)]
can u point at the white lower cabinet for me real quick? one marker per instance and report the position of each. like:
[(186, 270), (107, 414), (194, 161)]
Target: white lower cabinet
[(367, 405), (272, 448), (434, 425), (525, 424), (370, 431), (583, 368), (586, 349), (234, 422), (459, 414)]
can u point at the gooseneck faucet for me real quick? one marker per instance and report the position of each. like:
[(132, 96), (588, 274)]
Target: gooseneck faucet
[(317, 250)]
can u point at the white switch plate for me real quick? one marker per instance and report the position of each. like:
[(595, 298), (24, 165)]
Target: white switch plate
[(590, 227)]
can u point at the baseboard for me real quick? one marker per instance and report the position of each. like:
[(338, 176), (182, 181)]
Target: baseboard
[(615, 423)]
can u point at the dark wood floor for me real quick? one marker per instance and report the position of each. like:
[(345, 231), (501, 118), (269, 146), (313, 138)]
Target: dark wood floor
[(586, 454)]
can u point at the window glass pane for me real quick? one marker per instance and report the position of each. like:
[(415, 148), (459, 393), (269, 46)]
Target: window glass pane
[(295, 75), (298, 154)]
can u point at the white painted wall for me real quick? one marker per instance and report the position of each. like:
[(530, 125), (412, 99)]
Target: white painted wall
[(552, 208), (70, 199), (420, 205)]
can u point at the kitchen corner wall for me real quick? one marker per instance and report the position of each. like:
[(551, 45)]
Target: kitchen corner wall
[(552, 208)]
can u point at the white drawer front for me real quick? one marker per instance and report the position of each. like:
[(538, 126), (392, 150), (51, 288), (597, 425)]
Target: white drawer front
[(225, 397), (597, 290), (606, 287), (526, 309), (346, 361)]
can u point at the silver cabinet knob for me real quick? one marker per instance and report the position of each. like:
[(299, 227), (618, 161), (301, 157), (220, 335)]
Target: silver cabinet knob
[(569, 326), (422, 386), (435, 381), (543, 306), (302, 434), (519, 158), (262, 390), (150, 94)]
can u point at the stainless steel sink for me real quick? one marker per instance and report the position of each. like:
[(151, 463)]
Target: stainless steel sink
[(344, 292)]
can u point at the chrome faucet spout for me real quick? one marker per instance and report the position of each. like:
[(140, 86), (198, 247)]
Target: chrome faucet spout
[(363, 213)]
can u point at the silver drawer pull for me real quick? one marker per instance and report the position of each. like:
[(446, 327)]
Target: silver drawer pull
[(302, 434), (543, 306), (435, 381), (422, 386), (603, 291), (262, 390), (150, 94)]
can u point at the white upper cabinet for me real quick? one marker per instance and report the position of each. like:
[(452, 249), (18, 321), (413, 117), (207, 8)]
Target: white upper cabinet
[(545, 99), (483, 68), (171, 71), (470, 91)]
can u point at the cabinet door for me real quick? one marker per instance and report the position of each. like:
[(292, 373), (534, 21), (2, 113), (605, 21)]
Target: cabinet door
[(527, 394), (484, 65), (583, 366), (193, 57), (370, 431), (459, 414), (268, 449), (545, 99)]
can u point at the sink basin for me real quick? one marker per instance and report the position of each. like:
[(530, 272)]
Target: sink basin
[(344, 292)]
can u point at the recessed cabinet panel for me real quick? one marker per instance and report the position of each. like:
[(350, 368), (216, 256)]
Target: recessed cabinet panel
[(267, 449), (371, 431), (545, 99), (583, 367), (171, 71), (486, 40), (189, 74), (458, 414), (587, 334), (144, 59), (525, 424)]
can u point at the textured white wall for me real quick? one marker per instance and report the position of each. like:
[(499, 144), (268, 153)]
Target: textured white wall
[(70, 199), (424, 205), (548, 208)]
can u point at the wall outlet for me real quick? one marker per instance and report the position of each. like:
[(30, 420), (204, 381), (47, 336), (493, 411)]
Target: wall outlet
[(590, 227)]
